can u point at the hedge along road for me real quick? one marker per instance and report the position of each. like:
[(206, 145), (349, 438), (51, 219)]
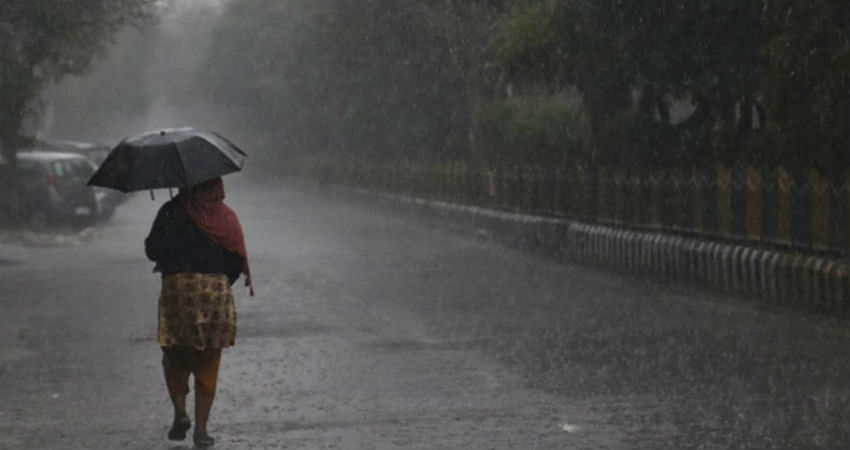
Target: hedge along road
[(372, 331)]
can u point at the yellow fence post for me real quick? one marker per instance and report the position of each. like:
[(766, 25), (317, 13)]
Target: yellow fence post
[(819, 210), (784, 186), (754, 204), (697, 197), (724, 201)]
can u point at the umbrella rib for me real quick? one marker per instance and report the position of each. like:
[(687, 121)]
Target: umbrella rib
[(228, 141), (132, 162), (182, 163)]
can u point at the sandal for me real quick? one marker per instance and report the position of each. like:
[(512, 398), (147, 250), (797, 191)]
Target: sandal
[(179, 428), (203, 440)]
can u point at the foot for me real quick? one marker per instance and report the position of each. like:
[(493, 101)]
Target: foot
[(202, 440), (179, 428)]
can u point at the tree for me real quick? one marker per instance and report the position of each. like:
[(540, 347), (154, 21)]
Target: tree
[(111, 99), (767, 79), (806, 83), (45, 40), (366, 78), (630, 60), (467, 29)]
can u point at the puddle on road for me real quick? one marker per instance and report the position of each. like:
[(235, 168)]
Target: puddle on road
[(570, 428), (47, 238)]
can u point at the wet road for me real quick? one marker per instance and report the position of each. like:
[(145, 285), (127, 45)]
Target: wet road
[(372, 331)]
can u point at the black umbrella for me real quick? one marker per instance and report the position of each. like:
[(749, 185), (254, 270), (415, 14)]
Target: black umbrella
[(170, 158)]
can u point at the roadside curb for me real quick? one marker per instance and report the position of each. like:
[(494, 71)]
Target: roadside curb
[(785, 279)]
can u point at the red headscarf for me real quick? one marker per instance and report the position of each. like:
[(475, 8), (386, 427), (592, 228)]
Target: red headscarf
[(205, 205)]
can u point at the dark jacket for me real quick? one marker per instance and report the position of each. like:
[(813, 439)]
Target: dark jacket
[(178, 245)]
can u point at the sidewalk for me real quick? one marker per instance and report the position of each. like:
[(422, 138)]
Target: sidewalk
[(774, 277)]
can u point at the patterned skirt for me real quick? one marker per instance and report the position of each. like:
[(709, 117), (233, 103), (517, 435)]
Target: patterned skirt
[(196, 310)]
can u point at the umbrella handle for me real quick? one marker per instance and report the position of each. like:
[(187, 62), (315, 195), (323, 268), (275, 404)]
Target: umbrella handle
[(152, 195)]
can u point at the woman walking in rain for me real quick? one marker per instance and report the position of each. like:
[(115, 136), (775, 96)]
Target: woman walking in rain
[(197, 244)]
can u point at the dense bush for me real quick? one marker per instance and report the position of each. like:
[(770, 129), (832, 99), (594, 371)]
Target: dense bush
[(764, 81), (541, 129), (768, 79)]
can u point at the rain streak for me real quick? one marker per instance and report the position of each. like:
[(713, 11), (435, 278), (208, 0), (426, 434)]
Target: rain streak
[(409, 224)]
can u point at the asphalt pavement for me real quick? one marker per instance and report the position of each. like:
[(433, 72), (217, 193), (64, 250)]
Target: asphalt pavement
[(371, 330)]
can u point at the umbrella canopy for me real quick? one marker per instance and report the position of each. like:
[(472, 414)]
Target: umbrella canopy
[(169, 158)]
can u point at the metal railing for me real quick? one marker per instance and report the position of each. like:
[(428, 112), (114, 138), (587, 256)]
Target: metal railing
[(801, 210)]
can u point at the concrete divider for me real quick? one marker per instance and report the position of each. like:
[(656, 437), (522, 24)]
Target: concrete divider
[(776, 277)]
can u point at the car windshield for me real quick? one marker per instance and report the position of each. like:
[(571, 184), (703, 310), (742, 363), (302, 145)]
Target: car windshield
[(71, 168)]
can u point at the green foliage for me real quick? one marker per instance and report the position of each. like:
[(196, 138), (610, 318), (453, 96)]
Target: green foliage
[(759, 81), (109, 101), (528, 46), (632, 60), (45, 40), (539, 130), (368, 78), (806, 82), (767, 78), (468, 30)]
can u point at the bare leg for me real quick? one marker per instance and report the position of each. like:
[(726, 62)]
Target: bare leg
[(179, 407), (206, 377), (177, 380), (203, 405)]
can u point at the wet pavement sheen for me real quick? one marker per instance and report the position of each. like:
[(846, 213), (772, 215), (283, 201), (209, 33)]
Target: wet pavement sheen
[(371, 331)]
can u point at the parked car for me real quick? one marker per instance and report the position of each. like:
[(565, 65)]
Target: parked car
[(51, 187), (107, 199), (95, 152)]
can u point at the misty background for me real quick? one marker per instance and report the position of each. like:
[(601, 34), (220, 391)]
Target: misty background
[(146, 79), (725, 119), (621, 126), (492, 83), (276, 77)]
